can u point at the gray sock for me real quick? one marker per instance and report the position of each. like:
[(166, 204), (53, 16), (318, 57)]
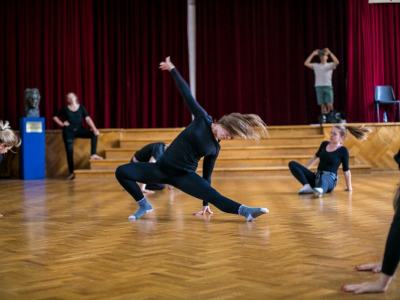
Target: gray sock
[(250, 213), (144, 208)]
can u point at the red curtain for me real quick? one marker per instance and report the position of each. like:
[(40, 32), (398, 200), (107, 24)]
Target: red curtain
[(105, 51), (373, 55), (250, 56)]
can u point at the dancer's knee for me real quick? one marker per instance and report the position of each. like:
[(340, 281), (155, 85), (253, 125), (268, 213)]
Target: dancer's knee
[(120, 173), (292, 164)]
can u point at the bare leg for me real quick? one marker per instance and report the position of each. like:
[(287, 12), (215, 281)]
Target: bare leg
[(329, 107)]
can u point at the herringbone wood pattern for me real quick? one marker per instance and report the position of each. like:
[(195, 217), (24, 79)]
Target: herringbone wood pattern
[(380, 147), (72, 240)]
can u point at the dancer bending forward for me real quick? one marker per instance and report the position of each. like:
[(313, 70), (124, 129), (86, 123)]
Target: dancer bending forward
[(178, 165)]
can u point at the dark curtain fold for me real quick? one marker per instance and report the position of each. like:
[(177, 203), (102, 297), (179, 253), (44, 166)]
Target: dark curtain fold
[(107, 52), (373, 56), (250, 56)]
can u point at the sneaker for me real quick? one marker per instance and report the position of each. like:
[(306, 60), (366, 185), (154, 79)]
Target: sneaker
[(71, 176), (318, 192), (306, 189)]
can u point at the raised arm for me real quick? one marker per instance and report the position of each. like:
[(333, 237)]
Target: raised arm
[(333, 56), (307, 62), (183, 88)]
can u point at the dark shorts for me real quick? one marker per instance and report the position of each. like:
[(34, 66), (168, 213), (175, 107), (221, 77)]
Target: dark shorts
[(324, 94)]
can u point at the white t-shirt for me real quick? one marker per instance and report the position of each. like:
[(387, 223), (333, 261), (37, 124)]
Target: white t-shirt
[(323, 73)]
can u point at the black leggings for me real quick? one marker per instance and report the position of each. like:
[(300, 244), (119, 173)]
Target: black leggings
[(391, 257), (304, 176), (189, 182), (69, 134)]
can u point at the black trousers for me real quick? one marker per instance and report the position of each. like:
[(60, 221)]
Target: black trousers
[(69, 134), (188, 182), (391, 257)]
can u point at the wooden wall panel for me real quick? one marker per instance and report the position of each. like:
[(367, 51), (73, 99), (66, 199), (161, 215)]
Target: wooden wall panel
[(378, 149)]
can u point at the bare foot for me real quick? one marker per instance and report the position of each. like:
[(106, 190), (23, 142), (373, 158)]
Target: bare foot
[(365, 287), (96, 157)]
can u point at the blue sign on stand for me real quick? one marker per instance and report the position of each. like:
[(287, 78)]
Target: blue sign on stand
[(33, 148)]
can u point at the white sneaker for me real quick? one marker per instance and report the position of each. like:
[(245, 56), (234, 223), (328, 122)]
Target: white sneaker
[(318, 192), (306, 189)]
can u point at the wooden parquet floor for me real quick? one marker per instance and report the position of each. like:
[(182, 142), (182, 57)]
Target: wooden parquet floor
[(72, 240)]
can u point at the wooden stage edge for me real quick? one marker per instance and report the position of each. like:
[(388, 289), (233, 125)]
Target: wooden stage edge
[(285, 143)]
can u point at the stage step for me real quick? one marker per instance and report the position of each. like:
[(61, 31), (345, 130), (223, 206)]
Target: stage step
[(163, 134), (234, 171), (269, 156), (231, 152), (270, 141), (279, 160)]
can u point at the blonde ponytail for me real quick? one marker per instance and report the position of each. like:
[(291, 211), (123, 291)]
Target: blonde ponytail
[(360, 133)]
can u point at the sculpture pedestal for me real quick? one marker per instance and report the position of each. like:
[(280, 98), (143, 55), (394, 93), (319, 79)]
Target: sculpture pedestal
[(33, 148)]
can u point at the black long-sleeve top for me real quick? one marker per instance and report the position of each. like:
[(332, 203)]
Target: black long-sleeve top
[(330, 161), (155, 150), (195, 141), (391, 257), (75, 118)]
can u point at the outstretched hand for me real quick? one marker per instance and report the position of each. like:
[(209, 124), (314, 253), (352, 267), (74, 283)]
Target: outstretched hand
[(167, 64), (206, 210)]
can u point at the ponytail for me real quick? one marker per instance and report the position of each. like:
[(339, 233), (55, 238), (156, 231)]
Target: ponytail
[(360, 133)]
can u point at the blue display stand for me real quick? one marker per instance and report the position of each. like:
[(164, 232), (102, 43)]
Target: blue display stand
[(33, 148)]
